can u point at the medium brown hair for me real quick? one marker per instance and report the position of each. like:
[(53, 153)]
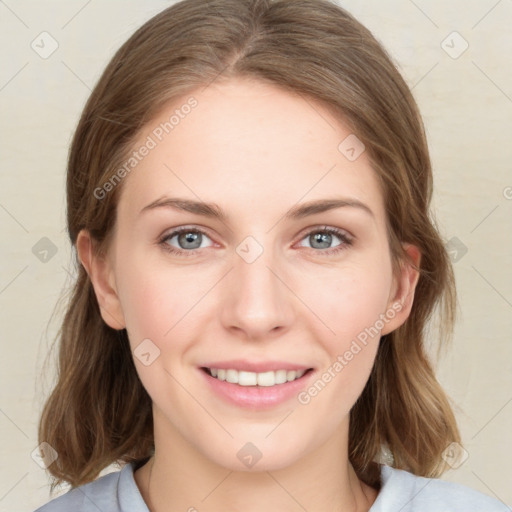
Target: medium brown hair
[(98, 412)]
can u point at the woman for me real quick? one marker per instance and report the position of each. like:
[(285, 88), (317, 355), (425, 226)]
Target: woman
[(248, 194)]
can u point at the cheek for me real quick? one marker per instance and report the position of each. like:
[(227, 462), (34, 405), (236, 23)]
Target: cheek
[(350, 299), (164, 308), (156, 301), (351, 304)]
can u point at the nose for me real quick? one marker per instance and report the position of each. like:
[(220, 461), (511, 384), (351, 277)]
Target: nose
[(257, 303)]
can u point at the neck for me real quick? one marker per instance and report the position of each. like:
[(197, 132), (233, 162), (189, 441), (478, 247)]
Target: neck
[(179, 478)]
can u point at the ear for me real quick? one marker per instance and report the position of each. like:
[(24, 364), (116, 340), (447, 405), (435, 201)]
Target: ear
[(402, 296), (102, 278)]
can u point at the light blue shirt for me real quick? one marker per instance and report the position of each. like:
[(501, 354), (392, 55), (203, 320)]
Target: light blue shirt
[(400, 492)]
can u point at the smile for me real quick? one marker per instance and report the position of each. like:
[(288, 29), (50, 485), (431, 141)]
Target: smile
[(263, 379)]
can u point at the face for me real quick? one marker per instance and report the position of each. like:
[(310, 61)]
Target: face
[(287, 268)]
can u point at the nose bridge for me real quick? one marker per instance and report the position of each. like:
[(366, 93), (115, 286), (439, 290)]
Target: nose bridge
[(256, 302)]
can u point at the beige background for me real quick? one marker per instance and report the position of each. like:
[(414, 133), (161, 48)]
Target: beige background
[(466, 100)]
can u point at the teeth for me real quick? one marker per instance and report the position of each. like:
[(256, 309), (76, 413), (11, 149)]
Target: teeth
[(243, 378)]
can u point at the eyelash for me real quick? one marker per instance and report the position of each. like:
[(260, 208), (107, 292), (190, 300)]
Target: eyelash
[(345, 241)]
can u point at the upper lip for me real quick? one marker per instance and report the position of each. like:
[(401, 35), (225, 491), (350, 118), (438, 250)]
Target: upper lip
[(256, 367)]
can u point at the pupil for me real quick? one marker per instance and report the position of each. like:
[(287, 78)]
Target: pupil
[(192, 240), (323, 239), (189, 240)]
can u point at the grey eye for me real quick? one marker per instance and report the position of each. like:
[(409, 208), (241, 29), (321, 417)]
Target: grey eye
[(190, 240), (322, 239)]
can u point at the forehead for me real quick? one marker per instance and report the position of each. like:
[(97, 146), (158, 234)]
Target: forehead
[(246, 143)]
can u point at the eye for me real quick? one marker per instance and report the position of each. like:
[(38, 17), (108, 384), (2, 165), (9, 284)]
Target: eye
[(323, 238), (186, 240)]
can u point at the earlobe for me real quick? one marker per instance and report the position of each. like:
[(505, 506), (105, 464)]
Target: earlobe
[(100, 273), (401, 301)]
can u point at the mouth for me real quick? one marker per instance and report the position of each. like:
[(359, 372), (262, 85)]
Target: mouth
[(256, 379)]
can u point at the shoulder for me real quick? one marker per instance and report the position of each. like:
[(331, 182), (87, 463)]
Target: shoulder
[(115, 492), (406, 492)]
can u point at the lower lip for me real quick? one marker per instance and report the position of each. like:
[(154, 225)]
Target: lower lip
[(257, 397)]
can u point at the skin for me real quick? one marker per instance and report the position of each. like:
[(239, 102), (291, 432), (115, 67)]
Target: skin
[(256, 151)]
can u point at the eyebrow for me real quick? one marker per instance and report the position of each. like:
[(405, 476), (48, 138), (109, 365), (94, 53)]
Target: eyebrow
[(299, 211)]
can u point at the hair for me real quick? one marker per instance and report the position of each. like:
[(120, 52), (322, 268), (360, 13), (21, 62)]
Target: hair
[(98, 412)]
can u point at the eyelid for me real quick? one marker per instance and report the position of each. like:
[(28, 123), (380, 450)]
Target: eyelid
[(345, 237), (326, 227), (163, 239), (186, 227)]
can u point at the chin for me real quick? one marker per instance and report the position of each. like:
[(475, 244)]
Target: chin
[(253, 454)]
